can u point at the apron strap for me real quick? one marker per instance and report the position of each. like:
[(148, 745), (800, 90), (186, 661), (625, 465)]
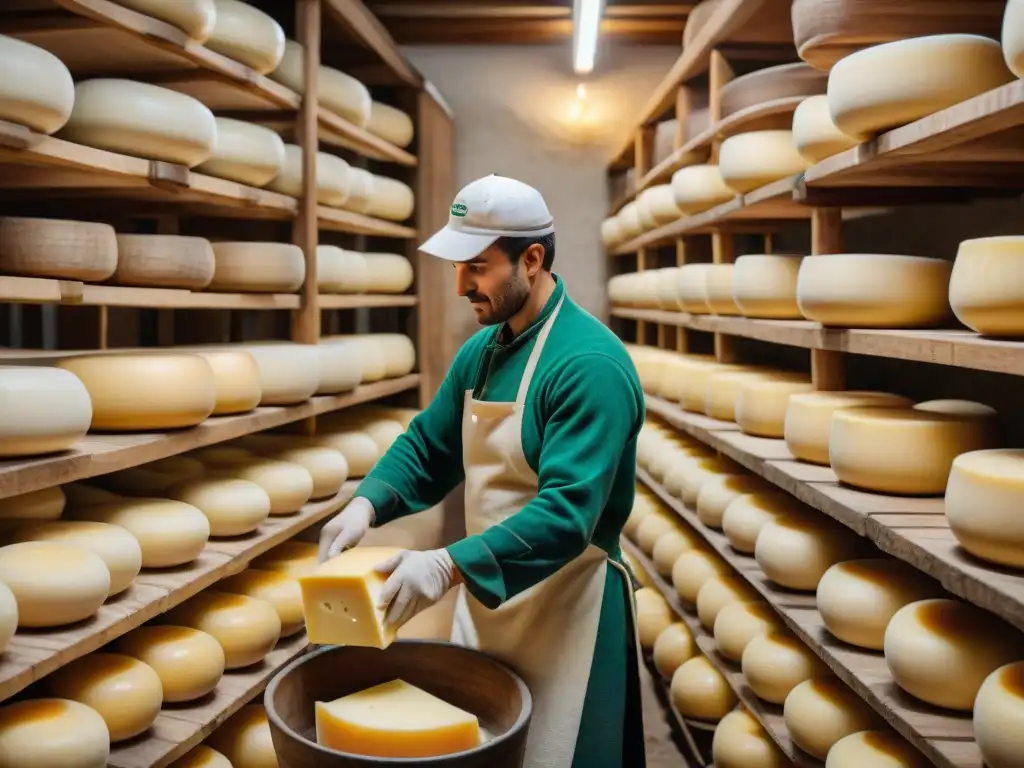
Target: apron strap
[(538, 347)]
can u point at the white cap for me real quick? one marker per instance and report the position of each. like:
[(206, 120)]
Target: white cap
[(486, 209)]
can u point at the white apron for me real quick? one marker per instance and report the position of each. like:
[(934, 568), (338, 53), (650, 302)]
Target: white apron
[(547, 633)]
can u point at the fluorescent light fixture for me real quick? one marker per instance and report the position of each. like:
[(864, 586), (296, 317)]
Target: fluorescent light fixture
[(587, 18)]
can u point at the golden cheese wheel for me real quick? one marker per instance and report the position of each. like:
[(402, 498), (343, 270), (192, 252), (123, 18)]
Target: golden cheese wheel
[(653, 616), (54, 584), (189, 662), (670, 546), (39, 506), (276, 588), (999, 717), (820, 712), (692, 569), (776, 662), (748, 514), (52, 733), (202, 756), (718, 592), (674, 646), (294, 558), (718, 492), (126, 692), (327, 467), (246, 628), (237, 379), (384, 432), (740, 622), (700, 691), (233, 507), (8, 616), (359, 449), (878, 749), (701, 471), (643, 505), (741, 742), (652, 529), (245, 739), (288, 485), (795, 550)]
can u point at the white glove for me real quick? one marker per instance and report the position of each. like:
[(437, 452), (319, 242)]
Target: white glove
[(347, 528), (417, 581)]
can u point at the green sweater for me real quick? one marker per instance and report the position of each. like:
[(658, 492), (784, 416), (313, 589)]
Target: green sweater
[(583, 413)]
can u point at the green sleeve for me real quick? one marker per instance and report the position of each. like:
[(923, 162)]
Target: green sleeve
[(590, 413)]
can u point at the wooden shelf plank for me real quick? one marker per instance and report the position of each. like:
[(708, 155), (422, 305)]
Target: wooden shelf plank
[(33, 655), (355, 301), (338, 220), (99, 454)]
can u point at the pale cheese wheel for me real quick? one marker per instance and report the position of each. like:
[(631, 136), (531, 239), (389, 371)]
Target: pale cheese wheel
[(647, 221), (126, 692), (247, 35), (741, 742), (858, 598), (762, 403), (699, 691), (117, 548), (983, 498), (384, 355), (8, 616), (879, 749), (1013, 51), (751, 160), (189, 662), (288, 485), (163, 261), (701, 471), (388, 273), (341, 367), (685, 380), (244, 152), (194, 17), (70, 250), (341, 271), (152, 479), (237, 379), (669, 547), (795, 550), (247, 628), (723, 389), (697, 188), (747, 514), (332, 177), (358, 448), (741, 621), (145, 391), (42, 410), (673, 648), (903, 450), (294, 558), (276, 588), (392, 199), (360, 190), (233, 507), (202, 756), (986, 287), (54, 584), (959, 408), (384, 432), (869, 92), (141, 120), (867, 290), (718, 279), (52, 733), (820, 712), (764, 285), (692, 288), (664, 288), (659, 205), (941, 650), (326, 466), (43, 505), (653, 527), (693, 569), (809, 419), (815, 136), (653, 616), (643, 505), (258, 267), (775, 663), (390, 124), (720, 491), (611, 232), (245, 739), (629, 218), (289, 373), (718, 592), (37, 90), (999, 715), (169, 532), (340, 93)]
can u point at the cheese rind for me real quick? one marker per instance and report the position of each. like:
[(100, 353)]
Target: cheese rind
[(673, 648), (201, 756), (42, 410), (820, 712), (52, 733), (741, 742), (986, 288), (719, 290), (658, 204), (764, 285), (777, 662), (189, 662), (55, 584), (879, 749), (33, 507), (751, 160), (718, 492), (247, 35), (246, 628), (984, 495), (699, 690), (997, 717), (237, 379), (747, 514), (359, 449), (70, 250), (341, 93), (388, 273), (289, 373), (195, 17), (629, 218), (696, 188), (692, 569), (257, 267), (244, 152), (717, 593), (391, 199), (37, 90), (1013, 47), (814, 134), (163, 261), (333, 183), (8, 616)]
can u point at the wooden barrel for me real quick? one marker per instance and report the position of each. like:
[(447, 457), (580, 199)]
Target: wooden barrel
[(464, 677)]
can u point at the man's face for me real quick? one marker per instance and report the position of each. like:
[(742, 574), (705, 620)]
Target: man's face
[(496, 286)]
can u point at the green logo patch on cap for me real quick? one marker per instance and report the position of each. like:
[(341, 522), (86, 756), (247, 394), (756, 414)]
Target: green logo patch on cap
[(458, 209)]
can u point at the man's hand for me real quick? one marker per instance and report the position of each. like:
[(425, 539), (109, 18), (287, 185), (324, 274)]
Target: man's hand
[(346, 529), (417, 581)]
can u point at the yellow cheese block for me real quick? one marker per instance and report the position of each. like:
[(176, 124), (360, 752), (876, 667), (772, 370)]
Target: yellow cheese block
[(751, 160), (395, 720), (274, 587), (233, 507), (126, 692), (776, 662), (33, 507), (154, 478), (814, 134), (237, 379), (699, 690), (720, 491), (39, 733), (245, 152), (741, 742), (163, 261), (54, 583), (195, 17), (740, 622), (189, 662), (294, 558), (245, 739), (879, 749), (762, 403), (997, 717), (42, 410), (673, 648), (202, 756), (718, 592), (250, 267), (37, 90), (795, 550), (71, 250), (246, 628), (983, 496), (247, 35), (692, 569), (985, 290), (764, 285), (697, 188), (748, 514), (820, 712), (8, 616), (339, 270)]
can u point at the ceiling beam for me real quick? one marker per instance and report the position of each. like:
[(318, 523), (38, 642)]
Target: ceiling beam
[(520, 31)]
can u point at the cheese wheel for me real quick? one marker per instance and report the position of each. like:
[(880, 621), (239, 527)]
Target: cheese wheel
[(820, 712), (653, 616), (37, 90), (611, 233), (141, 120), (747, 514), (288, 485), (390, 124), (54, 584), (959, 408), (985, 291), (358, 448), (983, 497), (294, 558), (332, 177), (658, 203), (326, 466), (643, 505), (692, 569), (278, 589), (195, 17), (700, 691), (762, 403), (629, 218), (258, 267), (741, 621), (360, 190), (685, 380), (152, 479), (718, 592), (809, 419), (647, 221), (247, 35), (341, 367), (115, 546), (202, 756), (741, 742), (998, 710), (188, 662), (692, 288), (247, 628), (8, 616), (71, 250), (163, 261), (244, 152), (815, 136), (858, 598), (879, 749), (669, 547), (237, 379), (39, 506), (697, 188), (751, 160), (145, 391), (650, 531), (340, 93), (795, 550), (942, 650), (902, 450), (867, 94), (42, 410), (720, 491), (765, 285), (864, 290), (674, 647), (233, 507), (245, 739), (775, 662), (391, 199), (1013, 50), (388, 273), (341, 271), (719, 290), (52, 733), (701, 471), (289, 373), (723, 389), (127, 693), (170, 532)]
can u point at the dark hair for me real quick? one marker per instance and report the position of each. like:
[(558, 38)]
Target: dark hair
[(513, 247)]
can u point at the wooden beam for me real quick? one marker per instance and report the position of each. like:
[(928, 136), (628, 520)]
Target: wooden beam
[(519, 31)]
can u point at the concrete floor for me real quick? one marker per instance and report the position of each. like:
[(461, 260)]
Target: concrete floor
[(662, 751)]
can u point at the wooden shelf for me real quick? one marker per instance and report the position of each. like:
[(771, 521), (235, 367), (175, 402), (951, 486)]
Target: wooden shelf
[(338, 220), (371, 300), (33, 655), (99, 454), (944, 737)]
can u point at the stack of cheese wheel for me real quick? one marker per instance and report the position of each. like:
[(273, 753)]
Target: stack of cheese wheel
[(657, 204), (822, 711), (741, 742), (697, 188), (333, 177), (390, 124), (754, 159), (673, 648), (141, 120), (195, 17), (247, 35), (289, 485), (795, 550), (245, 739), (776, 662), (327, 466), (765, 285), (338, 92), (189, 662), (45, 410), (341, 271), (247, 628), (387, 273), (257, 267), (997, 709), (882, 748), (740, 622), (777, 87), (762, 402), (37, 90), (45, 732), (245, 152), (865, 290), (719, 290), (815, 136), (981, 292), (391, 199), (629, 220), (54, 584), (700, 691), (340, 364), (653, 616), (163, 261), (983, 494), (68, 250), (611, 233)]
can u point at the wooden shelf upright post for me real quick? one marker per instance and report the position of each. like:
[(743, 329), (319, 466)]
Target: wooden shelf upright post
[(723, 248), (827, 369), (644, 146)]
